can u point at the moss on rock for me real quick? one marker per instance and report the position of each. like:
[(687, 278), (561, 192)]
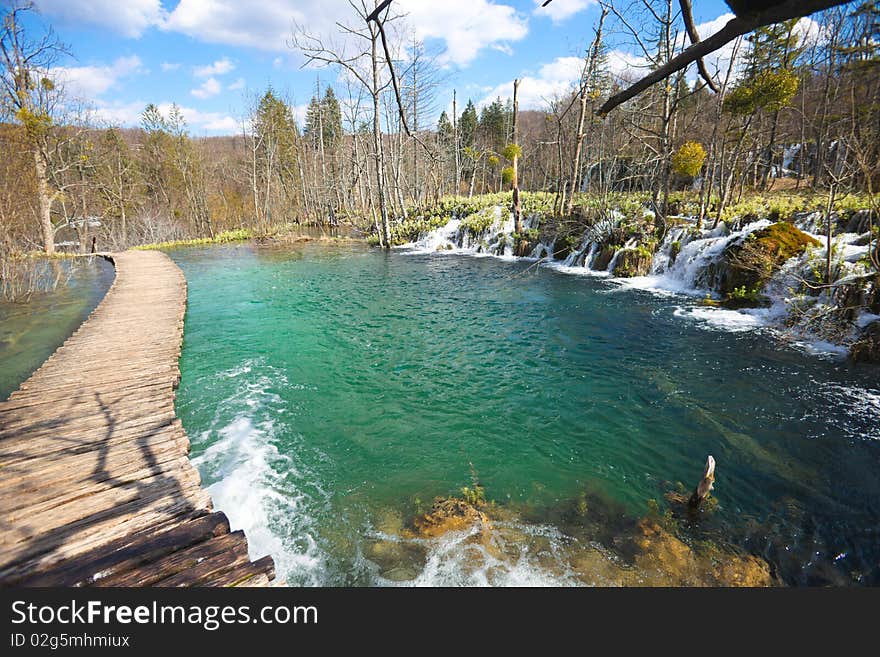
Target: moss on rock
[(633, 262), (751, 263), (448, 515)]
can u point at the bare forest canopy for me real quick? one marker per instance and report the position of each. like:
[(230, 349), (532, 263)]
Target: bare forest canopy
[(786, 108)]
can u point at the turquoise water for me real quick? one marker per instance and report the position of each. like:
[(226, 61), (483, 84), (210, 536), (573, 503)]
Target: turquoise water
[(31, 331), (330, 392)]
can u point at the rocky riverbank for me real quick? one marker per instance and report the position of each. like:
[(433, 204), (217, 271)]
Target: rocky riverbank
[(770, 265)]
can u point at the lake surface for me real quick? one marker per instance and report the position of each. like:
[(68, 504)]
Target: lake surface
[(30, 332), (331, 392)]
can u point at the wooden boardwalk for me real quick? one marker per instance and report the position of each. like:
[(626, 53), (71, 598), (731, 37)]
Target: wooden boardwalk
[(96, 487)]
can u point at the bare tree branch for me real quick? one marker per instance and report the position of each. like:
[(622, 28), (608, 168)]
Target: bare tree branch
[(687, 16), (735, 27)]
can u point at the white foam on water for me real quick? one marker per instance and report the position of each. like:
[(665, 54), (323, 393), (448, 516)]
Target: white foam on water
[(723, 319), (852, 405), (461, 559), (822, 348), (573, 270), (260, 489), (866, 318)]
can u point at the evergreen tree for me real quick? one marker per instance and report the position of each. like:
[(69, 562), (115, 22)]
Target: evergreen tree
[(323, 119), (494, 124), (312, 129), (444, 130), (467, 125), (331, 119)]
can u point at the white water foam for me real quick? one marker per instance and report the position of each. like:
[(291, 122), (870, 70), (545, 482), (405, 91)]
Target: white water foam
[(723, 319), (691, 273), (461, 559), (260, 489)]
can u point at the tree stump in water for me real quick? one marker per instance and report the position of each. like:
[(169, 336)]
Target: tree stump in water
[(701, 492)]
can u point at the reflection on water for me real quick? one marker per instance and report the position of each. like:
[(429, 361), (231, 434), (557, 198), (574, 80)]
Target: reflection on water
[(30, 332), (331, 393)]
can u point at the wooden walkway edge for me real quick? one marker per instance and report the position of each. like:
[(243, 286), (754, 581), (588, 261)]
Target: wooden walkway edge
[(96, 488)]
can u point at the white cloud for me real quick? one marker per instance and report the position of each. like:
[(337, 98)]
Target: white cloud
[(299, 114), (88, 82), (210, 87), (561, 76), (120, 114), (265, 25), (170, 66), (561, 10), (127, 17), (238, 84), (626, 66), (129, 115), (199, 121), (220, 67), (221, 124), (553, 79), (465, 26)]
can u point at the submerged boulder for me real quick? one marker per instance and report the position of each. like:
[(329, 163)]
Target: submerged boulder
[(449, 514), (748, 265), (663, 554), (633, 262)]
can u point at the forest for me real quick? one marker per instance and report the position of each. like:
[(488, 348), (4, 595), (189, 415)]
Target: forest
[(420, 331), (791, 119)]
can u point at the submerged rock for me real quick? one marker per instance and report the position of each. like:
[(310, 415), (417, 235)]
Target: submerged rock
[(597, 544), (448, 515), (665, 556)]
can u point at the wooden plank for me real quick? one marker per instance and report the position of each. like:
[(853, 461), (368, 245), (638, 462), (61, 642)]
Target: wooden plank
[(95, 484)]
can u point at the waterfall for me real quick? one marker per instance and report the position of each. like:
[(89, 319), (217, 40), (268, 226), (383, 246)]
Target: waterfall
[(688, 261)]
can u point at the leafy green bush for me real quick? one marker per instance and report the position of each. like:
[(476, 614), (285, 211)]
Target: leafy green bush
[(688, 159), (479, 222)]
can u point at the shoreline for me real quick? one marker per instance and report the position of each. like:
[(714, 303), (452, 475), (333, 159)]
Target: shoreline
[(97, 486)]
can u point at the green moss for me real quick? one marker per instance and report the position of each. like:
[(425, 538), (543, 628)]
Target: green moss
[(633, 262), (782, 239), (225, 237), (478, 223), (751, 263)]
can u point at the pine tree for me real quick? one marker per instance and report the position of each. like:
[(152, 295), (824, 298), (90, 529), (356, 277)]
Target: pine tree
[(331, 119), (444, 130), (494, 121), (467, 126)]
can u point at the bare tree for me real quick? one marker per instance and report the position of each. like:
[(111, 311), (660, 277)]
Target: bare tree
[(32, 97)]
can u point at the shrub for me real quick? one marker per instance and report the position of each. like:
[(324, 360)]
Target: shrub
[(688, 160), (507, 175)]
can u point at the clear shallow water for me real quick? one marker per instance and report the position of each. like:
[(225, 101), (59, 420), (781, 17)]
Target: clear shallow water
[(330, 392), (30, 332)]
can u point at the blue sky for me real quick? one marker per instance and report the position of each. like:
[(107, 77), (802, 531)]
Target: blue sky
[(208, 56)]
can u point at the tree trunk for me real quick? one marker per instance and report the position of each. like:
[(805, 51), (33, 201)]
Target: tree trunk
[(377, 145), (44, 194), (455, 145), (517, 216)]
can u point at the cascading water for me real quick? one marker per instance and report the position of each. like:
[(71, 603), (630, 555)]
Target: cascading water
[(332, 392), (688, 261)]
